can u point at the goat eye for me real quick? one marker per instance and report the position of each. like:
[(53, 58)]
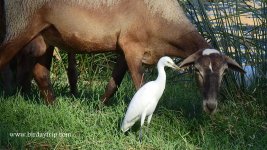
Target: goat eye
[(199, 73)]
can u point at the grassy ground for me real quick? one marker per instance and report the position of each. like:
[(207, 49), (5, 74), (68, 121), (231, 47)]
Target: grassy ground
[(84, 123)]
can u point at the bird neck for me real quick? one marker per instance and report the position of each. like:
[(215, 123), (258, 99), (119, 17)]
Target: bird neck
[(161, 74)]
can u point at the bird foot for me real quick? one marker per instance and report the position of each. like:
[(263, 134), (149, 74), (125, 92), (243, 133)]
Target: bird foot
[(140, 136)]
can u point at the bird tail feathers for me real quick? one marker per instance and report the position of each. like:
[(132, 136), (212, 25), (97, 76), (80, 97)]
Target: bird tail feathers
[(125, 126)]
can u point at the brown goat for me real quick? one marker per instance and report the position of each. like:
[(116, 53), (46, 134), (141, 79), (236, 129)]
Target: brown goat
[(144, 30)]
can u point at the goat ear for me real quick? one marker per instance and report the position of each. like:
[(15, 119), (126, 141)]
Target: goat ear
[(232, 64), (190, 59)]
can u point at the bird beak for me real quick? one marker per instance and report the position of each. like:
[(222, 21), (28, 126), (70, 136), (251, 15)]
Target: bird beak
[(176, 67)]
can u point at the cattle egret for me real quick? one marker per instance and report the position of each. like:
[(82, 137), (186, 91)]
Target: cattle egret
[(146, 98)]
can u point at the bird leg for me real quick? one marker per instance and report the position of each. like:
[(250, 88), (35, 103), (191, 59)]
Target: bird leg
[(143, 117), (149, 119), (140, 135)]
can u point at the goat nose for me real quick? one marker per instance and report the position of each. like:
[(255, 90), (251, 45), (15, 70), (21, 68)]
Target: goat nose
[(209, 106)]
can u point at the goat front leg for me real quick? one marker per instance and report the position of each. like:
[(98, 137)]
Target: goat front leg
[(133, 55), (136, 70), (118, 73)]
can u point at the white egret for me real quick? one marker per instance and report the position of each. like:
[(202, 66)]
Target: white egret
[(146, 98)]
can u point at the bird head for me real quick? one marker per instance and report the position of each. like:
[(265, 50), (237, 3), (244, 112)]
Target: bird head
[(167, 61)]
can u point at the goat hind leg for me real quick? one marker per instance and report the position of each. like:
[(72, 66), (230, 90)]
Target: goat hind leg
[(26, 61), (7, 79), (25, 64), (72, 74), (10, 48)]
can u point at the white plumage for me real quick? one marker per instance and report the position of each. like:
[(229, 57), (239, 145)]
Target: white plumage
[(146, 98)]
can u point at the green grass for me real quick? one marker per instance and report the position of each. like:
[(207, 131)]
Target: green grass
[(178, 122)]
